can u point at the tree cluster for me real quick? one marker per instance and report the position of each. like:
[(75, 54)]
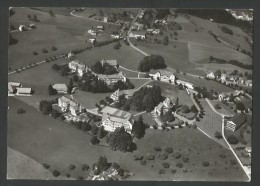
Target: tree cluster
[(138, 128), (151, 62), (104, 69), (144, 99), (46, 106), (120, 140)]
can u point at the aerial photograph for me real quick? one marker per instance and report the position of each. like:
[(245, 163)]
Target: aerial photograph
[(129, 94)]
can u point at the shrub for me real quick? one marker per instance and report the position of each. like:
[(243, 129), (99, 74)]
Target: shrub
[(163, 156), (72, 167), (179, 165), (35, 53), (194, 126), (44, 50), (173, 171), (55, 173), (138, 157), (222, 155), (205, 163), (166, 165), (80, 178), (115, 165), (217, 106), (46, 166), (117, 45), (233, 162), (157, 149), (94, 140), (185, 109), (169, 150), (53, 48), (143, 162), (161, 171), (149, 156), (232, 139), (176, 155), (20, 111), (185, 159), (68, 175), (85, 167), (218, 135)]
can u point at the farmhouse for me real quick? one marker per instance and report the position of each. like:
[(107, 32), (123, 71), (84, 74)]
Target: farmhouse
[(61, 88), (185, 83), (211, 75), (113, 118), (249, 83), (223, 78), (226, 95), (127, 93), (163, 75), (160, 21), (115, 36), (164, 106), (105, 19), (137, 26), (100, 27), (236, 121), (92, 32), (115, 95), (153, 31), (136, 35), (68, 104), (92, 40), (111, 79), (23, 91), (70, 55), (22, 28), (78, 67), (12, 87)]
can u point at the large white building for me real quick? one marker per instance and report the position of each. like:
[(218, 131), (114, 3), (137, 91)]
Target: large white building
[(78, 67), (185, 83), (113, 118), (137, 35), (68, 104), (164, 106), (211, 75), (163, 75), (111, 79), (61, 88)]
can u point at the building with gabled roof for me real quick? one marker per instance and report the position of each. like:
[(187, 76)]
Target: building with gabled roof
[(23, 91), (111, 79), (113, 118), (164, 75), (66, 103), (115, 96), (61, 88), (164, 106), (78, 67)]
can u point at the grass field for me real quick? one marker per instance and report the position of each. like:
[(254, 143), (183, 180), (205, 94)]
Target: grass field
[(20, 166), (50, 141), (197, 147), (39, 78), (224, 109), (63, 32), (125, 56), (172, 91)]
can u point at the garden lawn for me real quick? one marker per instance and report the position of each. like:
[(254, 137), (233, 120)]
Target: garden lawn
[(125, 56), (172, 91), (51, 141), (190, 143), (210, 123)]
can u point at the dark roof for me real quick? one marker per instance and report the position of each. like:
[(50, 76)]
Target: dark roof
[(239, 119)]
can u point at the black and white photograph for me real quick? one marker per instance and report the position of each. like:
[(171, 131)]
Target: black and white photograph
[(130, 94)]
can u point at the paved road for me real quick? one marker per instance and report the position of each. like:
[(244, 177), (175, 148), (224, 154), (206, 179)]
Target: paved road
[(130, 29)]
